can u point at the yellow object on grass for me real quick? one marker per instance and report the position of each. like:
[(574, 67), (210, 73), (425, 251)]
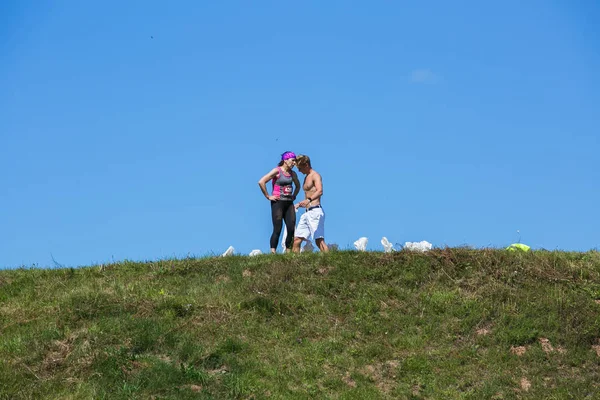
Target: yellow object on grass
[(518, 246)]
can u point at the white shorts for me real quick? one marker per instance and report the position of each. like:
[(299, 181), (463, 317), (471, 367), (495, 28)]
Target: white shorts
[(311, 225)]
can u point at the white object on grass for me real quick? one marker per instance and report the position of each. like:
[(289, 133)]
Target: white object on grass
[(283, 239), (387, 246), (229, 252), (421, 246), (361, 244), (255, 253), (308, 247)]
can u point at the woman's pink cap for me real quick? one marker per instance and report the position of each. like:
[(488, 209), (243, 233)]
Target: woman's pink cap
[(287, 155)]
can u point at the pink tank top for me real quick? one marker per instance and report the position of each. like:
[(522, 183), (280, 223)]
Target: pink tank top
[(282, 185)]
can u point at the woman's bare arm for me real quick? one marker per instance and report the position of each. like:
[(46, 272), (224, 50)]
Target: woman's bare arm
[(262, 183)]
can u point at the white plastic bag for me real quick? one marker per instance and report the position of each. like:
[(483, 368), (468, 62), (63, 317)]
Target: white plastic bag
[(229, 252), (283, 239), (361, 244), (308, 247), (255, 253), (421, 246), (387, 246)]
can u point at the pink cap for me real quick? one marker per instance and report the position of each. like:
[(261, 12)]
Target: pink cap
[(287, 155)]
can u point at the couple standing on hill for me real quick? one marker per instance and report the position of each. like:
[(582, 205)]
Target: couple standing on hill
[(285, 189)]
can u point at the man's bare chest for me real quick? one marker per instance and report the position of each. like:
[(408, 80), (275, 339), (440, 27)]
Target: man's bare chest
[(309, 184)]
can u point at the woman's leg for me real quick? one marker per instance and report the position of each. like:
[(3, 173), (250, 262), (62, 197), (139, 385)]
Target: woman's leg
[(277, 217), (290, 225)]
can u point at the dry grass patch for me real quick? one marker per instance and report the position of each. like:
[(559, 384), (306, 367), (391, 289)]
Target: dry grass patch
[(382, 374), (518, 350), (60, 350), (194, 388), (525, 384), (324, 270), (546, 345), (348, 380), (482, 331)]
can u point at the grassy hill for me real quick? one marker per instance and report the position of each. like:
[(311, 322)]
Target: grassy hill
[(449, 324)]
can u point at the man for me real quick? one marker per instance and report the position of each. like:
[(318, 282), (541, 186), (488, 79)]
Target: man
[(312, 222)]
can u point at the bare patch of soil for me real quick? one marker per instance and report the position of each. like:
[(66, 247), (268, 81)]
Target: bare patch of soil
[(483, 332), (383, 374), (348, 380), (518, 350), (546, 345), (525, 384)]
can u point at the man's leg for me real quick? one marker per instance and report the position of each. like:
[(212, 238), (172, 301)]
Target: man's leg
[(319, 230), (297, 244), (302, 232), (322, 245)]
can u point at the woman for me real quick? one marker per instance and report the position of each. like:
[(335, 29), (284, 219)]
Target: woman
[(282, 199)]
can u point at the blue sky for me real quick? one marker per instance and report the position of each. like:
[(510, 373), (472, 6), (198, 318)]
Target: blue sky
[(138, 130)]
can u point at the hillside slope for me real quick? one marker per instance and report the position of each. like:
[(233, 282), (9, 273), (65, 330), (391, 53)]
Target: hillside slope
[(452, 323)]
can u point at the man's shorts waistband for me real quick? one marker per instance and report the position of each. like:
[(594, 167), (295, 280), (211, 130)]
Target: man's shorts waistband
[(313, 207)]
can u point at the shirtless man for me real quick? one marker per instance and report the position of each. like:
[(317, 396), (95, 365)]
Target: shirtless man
[(312, 222)]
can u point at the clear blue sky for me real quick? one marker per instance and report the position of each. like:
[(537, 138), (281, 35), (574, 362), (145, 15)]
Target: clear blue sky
[(139, 129)]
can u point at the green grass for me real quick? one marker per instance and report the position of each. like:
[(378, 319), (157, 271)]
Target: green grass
[(344, 325)]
